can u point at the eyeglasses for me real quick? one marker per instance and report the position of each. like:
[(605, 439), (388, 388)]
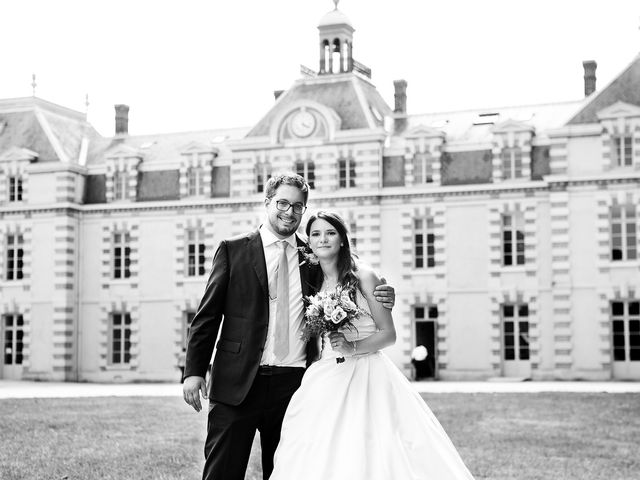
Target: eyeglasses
[(283, 206)]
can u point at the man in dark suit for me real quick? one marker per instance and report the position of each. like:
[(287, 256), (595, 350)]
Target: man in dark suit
[(256, 284)]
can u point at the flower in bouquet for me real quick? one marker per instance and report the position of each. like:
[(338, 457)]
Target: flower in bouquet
[(329, 311)]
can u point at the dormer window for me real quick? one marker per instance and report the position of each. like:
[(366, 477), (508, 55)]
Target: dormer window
[(622, 150), (15, 188), (120, 185), (122, 169), (195, 181), (511, 162)]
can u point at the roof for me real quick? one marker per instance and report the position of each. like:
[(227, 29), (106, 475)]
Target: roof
[(54, 132), (475, 126), (166, 147), (334, 17), (350, 96), (624, 88)]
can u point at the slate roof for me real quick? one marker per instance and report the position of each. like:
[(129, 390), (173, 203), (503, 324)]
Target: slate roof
[(624, 88), (52, 131), (165, 147), (475, 126), (349, 95)]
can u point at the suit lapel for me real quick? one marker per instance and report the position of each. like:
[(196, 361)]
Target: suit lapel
[(256, 252), (308, 273)]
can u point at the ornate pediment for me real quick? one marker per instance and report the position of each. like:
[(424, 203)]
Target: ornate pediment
[(198, 147), (424, 131), (18, 154), (511, 125), (619, 110), (123, 150)]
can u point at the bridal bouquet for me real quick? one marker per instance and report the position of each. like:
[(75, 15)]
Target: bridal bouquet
[(329, 311)]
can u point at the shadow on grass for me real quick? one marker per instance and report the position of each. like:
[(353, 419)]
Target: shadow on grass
[(499, 436)]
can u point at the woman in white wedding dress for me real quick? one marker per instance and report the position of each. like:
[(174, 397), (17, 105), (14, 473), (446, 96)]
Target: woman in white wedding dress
[(360, 419)]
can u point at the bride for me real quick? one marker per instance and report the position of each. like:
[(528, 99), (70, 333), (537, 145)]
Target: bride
[(359, 419)]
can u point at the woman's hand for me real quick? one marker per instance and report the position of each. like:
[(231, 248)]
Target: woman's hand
[(340, 344)]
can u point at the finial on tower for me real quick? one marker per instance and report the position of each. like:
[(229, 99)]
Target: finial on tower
[(86, 104), (33, 84), (335, 2)]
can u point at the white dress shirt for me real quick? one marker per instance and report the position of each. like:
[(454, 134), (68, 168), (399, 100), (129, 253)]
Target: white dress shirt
[(272, 251)]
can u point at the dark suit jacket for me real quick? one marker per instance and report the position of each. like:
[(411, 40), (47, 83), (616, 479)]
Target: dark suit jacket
[(238, 291)]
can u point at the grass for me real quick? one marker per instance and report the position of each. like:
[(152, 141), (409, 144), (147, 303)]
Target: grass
[(499, 436)]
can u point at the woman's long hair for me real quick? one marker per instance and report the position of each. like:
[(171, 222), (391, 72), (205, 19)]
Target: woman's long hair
[(346, 262)]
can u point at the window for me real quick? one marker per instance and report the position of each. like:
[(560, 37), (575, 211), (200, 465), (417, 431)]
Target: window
[(422, 168), (624, 239), (625, 330), (353, 228), (120, 338), (622, 150), (13, 333), (307, 170), (424, 243), (346, 173), (195, 253), (195, 181), (121, 255), (263, 174), (511, 162), (15, 255), (512, 240), (15, 189), (120, 185), (515, 331)]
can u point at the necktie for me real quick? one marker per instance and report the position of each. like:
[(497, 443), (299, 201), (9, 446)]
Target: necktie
[(281, 348)]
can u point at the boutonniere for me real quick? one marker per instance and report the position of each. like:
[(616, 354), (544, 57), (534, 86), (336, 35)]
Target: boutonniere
[(310, 258)]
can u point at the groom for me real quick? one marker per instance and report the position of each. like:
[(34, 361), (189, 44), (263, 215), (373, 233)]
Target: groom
[(257, 284)]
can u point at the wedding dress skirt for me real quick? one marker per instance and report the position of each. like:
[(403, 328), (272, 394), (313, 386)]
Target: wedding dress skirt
[(362, 420)]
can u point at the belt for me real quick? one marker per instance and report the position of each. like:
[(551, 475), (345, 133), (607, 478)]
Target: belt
[(274, 370)]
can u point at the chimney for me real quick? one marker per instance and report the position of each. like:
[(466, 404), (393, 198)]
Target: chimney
[(400, 110), (400, 96), (122, 119), (589, 77), (277, 93)]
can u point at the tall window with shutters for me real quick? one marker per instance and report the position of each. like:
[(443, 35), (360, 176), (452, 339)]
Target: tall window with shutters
[(120, 338), (623, 234), (195, 253), (513, 239), (121, 255), (13, 335), (424, 243), (14, 257)]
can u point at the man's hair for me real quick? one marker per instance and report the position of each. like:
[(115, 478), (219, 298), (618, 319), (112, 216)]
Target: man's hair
[(287, 178)]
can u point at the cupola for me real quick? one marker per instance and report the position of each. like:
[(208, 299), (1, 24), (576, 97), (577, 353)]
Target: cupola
[(336, 42)]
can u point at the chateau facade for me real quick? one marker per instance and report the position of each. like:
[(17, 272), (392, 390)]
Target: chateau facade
[(510, 234)]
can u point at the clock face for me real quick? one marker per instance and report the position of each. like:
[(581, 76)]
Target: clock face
[(303, 123)]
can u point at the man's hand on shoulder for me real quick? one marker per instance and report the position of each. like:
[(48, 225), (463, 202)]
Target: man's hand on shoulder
[(192, 388), (385, 294)]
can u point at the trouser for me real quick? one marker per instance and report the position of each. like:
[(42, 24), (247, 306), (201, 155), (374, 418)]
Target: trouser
[(231, 429)]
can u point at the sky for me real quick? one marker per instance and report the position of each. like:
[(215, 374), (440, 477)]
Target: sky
[(207, 64)]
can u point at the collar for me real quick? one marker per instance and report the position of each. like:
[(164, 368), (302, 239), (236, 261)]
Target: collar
[(269, 238)]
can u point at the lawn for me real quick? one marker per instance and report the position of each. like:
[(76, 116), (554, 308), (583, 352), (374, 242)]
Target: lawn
[(500, 436)]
